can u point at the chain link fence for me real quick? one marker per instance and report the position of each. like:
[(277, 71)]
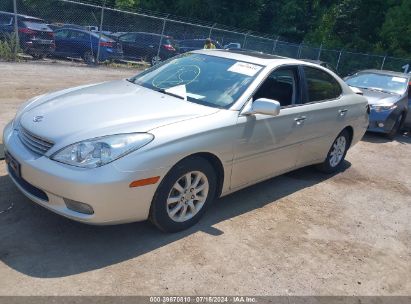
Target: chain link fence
[(96, 33)]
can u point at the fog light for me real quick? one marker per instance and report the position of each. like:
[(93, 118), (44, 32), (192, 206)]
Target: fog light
[(381, 125), (78, 207)]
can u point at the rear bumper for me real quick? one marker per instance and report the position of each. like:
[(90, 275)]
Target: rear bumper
[(38, 48), (111, 55)]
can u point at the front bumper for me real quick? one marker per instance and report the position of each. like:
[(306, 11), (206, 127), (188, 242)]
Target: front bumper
[(105, 189), (381, 122)]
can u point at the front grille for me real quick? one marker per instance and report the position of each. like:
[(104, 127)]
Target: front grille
[(35, 143)]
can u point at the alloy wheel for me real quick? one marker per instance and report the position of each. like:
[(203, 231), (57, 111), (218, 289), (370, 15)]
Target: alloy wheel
[(338, 150), (187, 197)]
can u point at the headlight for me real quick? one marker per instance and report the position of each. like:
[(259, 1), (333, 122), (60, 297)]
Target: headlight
[(97, 152), (384, 107)]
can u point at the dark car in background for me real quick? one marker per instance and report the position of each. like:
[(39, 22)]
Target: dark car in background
[(195, 44), (388, 95), (36, 37), (144, 46), (72, 42)]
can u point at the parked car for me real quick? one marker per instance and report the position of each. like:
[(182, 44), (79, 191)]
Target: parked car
[(233, 45), (195, 44), (72, 42), (144, 46), (36, 38), (388, 95), (407, 121), (165, 143)]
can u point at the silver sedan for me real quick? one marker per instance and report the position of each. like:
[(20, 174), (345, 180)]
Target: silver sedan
[(164, 144)]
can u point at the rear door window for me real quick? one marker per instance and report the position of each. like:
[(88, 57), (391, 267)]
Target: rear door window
[(6, 20), (62, 34), (130, 37), (321, 86), (79, 35)]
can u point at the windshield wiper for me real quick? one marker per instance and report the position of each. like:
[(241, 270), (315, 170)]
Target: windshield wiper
[(169, 93), (376, 90)]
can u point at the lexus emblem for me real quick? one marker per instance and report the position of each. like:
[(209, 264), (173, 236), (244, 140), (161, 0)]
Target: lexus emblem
[(38, 118)]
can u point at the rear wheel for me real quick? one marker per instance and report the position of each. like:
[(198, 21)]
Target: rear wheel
[(89, 58), (155, 60), (38, 56), (183, 195), (337, 153), (396, 127)]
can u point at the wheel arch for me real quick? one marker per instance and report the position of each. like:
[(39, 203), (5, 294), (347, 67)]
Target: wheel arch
[(215, 162), (350, 131)]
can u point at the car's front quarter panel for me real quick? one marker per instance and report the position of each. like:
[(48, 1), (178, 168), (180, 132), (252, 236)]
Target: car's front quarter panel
[(214, 134)]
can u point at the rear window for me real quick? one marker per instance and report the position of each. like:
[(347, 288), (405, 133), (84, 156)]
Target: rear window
[(321, 85), (33, 21)]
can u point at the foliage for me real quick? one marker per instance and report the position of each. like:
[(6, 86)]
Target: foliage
[(382, 26), (9, 49)]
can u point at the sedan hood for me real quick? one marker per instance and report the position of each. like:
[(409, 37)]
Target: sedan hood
[(375, 97), (104, 109)]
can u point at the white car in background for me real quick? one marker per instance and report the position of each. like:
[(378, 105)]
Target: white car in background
[(164, 144)]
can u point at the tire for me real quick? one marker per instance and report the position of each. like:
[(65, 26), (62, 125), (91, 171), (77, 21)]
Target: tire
[(396, 127), (174, 210), (336, 154), (89, 58), (155, 60), (38, 56)]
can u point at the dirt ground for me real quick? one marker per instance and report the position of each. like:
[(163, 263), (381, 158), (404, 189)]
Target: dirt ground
[(302, 233)]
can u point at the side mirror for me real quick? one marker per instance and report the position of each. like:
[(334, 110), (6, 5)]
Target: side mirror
[(263, 106)]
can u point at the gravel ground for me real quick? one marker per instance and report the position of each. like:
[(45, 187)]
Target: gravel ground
[(302, 233)]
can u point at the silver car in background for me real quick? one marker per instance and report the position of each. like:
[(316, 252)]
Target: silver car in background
[(164, 144)]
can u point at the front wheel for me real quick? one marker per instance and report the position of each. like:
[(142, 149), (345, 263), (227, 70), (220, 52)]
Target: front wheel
[(89, 58), (337, 153), (183, 195)]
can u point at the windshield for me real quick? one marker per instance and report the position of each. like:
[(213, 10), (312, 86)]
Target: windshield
[(379, 82), (208, 80)]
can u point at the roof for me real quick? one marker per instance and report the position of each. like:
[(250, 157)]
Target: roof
[(385, 72), (249, 56), (21, 16), (147, 33), (252, 53)]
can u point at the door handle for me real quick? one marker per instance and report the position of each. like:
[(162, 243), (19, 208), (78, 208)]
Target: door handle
[(300, 120), (343, 112)]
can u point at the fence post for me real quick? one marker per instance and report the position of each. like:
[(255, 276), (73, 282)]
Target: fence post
[(161, 41), (299, 51), (275, 44), (338, 61), (319, 52), (16, 29), (383, 62), (211, 30), (100, 30), (245, 39)]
